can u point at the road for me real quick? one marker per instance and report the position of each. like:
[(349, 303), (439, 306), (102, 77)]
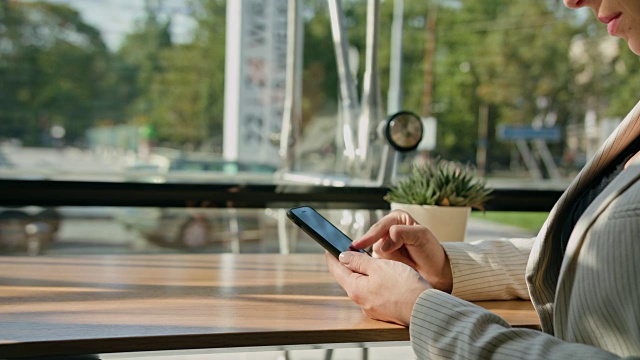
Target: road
[(60, 164)]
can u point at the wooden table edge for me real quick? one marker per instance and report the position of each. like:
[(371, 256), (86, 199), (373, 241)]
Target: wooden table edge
[(200, 341)]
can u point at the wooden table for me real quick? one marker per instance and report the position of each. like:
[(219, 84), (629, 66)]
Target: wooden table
[(105, 304)]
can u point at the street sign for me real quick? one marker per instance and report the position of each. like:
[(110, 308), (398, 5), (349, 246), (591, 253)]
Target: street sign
[(514, 133)]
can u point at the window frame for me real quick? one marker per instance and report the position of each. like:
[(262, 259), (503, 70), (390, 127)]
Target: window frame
[(233, 195)]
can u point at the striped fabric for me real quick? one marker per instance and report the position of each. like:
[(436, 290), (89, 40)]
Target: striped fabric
[(588, 301), (504, 262)]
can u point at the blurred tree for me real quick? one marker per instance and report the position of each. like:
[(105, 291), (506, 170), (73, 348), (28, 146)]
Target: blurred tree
[(53, 68), (140, 61), (626, 84), (526, 71), (320, 75), (180, 87), (504, 55)]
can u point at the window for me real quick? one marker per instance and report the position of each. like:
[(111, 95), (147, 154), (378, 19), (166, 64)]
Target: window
[(165, 104)]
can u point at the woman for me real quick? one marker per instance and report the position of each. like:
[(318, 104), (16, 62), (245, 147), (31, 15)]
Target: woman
[(582, 272)]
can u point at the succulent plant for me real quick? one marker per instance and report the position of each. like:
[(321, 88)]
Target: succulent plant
[(442, 183)]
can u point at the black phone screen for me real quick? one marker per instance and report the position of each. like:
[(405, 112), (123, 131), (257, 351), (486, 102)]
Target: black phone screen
[(321, 230)]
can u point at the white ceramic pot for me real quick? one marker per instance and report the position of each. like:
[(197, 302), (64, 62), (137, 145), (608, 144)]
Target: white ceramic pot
[(447, 223)]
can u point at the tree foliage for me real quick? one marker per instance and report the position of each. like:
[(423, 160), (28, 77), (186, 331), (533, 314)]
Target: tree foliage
[(53, 68), (503, 55), (179, 87)]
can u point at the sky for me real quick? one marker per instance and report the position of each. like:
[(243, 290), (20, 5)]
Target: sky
[(116, 18)]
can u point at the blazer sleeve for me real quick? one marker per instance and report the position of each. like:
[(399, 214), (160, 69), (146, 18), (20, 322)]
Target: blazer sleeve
[(443, 326), (489, 269)]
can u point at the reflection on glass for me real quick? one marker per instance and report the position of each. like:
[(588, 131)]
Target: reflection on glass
[(105, 230)]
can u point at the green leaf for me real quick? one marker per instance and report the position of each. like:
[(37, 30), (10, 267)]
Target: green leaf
[(443, 183)]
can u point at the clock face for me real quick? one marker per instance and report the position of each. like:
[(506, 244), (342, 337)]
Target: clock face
[(404, 131)]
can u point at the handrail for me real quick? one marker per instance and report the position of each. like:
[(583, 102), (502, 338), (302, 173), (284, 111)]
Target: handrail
[(228, 195)]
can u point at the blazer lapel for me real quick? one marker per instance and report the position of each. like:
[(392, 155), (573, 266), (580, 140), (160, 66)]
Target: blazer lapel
[(621, 183), (625, 179), (546, 259)]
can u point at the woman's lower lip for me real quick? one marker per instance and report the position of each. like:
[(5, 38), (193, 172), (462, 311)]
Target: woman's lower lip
[(612, 26)]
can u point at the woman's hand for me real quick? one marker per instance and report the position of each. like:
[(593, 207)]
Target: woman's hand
[(385, 290), (397, 236)]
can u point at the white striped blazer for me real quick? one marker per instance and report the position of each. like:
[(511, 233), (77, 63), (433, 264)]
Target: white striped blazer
[(588, 301)]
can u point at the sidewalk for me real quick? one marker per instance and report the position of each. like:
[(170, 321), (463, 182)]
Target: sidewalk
[(479, 229)]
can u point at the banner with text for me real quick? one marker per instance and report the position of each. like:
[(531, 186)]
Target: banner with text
[(255, 77)]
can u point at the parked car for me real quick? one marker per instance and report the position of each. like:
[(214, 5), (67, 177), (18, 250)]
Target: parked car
[(28, 229), (174, 166)]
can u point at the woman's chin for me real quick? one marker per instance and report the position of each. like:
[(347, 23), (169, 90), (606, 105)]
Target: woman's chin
[(634, 45)]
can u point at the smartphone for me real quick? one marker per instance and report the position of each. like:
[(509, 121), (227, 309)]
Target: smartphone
[(321, 230)]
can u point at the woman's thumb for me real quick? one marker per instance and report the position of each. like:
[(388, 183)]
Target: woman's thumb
[(356, 261)]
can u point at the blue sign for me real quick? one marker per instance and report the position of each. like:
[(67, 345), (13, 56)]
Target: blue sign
[(514, 133)]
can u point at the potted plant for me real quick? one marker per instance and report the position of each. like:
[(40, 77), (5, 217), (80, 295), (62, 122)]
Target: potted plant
[(440, 195)]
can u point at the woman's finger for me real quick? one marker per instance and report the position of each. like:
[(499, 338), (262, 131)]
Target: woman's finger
[(357, 262), (380, 229), (410, 235), (399, 236)]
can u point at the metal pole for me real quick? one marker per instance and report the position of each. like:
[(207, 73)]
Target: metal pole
[(292, 118), (390, 157), (483, 139), (348, 93), (429, 54), (394, 97), (371, 105)]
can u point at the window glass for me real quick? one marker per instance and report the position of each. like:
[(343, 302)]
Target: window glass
[(129, 91), (137, 230)]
